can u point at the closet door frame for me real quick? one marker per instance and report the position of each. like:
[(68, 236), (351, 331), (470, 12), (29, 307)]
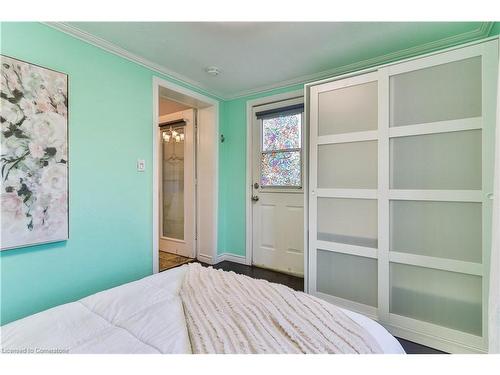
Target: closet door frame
[(426, 333)]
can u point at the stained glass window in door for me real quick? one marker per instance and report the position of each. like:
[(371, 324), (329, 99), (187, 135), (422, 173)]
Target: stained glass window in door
[(282, 132), (280, 168), (281, 161)]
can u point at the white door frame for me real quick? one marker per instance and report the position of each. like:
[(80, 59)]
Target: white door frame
[(249, 167), (195, 99)]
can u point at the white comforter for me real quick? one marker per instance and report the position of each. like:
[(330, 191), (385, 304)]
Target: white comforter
[(145, 316)]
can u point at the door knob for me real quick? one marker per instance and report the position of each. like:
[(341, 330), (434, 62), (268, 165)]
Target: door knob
[(256, 185), (255, 198)]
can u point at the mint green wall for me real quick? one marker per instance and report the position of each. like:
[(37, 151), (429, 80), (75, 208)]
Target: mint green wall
[(110, 116), (232, 172)]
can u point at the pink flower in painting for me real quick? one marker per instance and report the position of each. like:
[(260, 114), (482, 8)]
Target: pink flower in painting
[(60, 202), (27, 107), (36, 150), (43, 106), (12, 206), (46, 127), (54, 179), (59, 211)]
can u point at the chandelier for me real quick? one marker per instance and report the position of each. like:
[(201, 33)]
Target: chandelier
[(173, 135)]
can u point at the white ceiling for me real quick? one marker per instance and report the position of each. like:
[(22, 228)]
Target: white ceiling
[(257, 56)]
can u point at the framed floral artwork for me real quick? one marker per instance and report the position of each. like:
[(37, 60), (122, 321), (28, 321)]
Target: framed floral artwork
[(33, 155)]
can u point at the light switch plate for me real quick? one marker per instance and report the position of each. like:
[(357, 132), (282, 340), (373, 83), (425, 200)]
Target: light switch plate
[(141, 165)]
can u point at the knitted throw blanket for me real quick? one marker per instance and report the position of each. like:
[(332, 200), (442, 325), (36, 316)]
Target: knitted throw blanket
[(230, 313)]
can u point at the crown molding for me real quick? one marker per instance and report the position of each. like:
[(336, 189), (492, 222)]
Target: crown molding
[(119, 51), (486, 27), (481, 32)]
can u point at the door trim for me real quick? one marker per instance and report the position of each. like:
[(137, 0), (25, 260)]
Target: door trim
[(249, 166), (196, 100)]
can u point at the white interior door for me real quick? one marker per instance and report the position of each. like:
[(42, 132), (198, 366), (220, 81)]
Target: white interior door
[(278, 200), (177, 190)]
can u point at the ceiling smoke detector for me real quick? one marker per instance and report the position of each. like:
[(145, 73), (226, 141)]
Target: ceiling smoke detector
[(212, 70)]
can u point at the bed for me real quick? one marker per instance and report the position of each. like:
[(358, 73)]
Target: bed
[(150, 316)]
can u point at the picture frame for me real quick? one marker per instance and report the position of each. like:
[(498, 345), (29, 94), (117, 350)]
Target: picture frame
[(34, 165)]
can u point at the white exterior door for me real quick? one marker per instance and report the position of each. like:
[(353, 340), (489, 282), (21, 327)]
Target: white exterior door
[(177, 189), (277, 190)]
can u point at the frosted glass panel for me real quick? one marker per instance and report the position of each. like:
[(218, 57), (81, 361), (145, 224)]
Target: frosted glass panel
[(347, 276), (349, 221), (439, 229), (437, 161), (348, 165), (443, 92), (173, 189), (349, 109), (444, 298)]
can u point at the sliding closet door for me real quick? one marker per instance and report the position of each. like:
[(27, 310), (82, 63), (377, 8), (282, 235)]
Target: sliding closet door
[(343, 192), (401, 175), (441, 139)]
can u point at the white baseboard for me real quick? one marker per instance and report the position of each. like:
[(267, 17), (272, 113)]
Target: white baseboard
[(231, 258), (206, 259), (433, 341)]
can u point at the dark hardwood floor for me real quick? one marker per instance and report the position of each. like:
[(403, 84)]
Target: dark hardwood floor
[(297, 283), (413, 348)]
